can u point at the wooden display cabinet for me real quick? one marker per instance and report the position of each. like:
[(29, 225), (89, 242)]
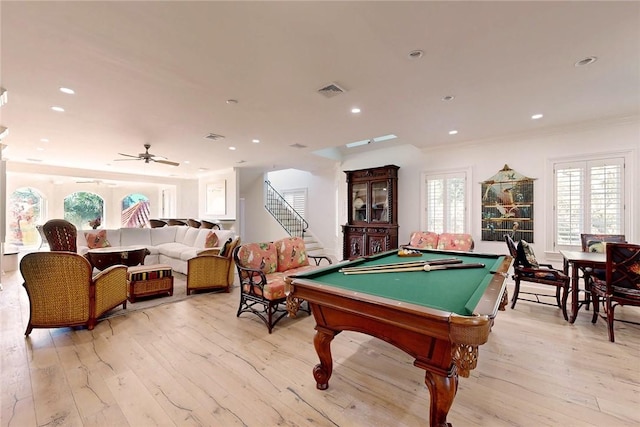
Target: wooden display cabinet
[(372, 211)]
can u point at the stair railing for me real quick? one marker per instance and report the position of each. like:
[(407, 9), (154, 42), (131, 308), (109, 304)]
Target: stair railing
[(284, 213)]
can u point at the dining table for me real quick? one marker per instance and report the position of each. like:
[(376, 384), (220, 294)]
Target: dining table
[(580, 261)]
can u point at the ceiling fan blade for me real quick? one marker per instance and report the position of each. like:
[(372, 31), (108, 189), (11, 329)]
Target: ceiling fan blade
[(165, 162), (129, 155), (126, 160)]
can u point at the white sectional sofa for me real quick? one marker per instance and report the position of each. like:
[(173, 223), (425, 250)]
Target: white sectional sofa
[(172, 245)]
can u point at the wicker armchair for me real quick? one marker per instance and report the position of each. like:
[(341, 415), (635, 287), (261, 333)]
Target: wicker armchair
[(62, 292), (622, 282), (212, 269), (61, 235)]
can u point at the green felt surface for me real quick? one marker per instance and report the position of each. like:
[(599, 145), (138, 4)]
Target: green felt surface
[(457, 291)]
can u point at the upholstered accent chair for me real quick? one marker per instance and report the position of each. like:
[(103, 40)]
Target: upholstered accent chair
[(157, 223), (61, 235), (176, 222), (212, 269), (62, 291), (621, 285), (527, 269), (262, 270)]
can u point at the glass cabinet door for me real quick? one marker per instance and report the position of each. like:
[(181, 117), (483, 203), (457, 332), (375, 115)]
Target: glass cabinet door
[(379, 202), (359, 197)]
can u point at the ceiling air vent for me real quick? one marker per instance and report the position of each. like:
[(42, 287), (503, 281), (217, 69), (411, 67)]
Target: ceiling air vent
[(331, 90), (214, 137)]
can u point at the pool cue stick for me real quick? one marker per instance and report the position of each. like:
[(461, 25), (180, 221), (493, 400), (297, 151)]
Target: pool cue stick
[(407, 264), (425, 268)]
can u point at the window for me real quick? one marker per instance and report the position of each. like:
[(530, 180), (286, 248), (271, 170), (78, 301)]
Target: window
[(83, 207), (297, 199), (589, 198), (445, 202), (25, 209), (135, 211)]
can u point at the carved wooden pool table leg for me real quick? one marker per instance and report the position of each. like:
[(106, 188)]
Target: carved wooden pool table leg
[(322, 343), (443, 390)]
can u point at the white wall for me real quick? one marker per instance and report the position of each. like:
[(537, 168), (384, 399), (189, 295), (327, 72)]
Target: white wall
[(230, 176), (321, 201), (529, 155)]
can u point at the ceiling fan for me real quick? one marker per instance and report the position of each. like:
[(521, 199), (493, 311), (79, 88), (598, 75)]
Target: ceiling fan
[(147, 157)]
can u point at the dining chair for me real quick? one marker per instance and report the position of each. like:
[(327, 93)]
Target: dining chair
[(621, 285), (157, 223), (596, 243), (527, 269)]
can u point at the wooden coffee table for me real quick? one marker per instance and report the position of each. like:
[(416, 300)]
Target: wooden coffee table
[(102, 258)]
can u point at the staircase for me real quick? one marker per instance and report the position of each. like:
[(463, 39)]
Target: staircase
[(290, 219)]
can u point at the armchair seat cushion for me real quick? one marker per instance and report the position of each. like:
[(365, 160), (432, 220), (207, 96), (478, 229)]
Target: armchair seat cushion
[(274, 289)]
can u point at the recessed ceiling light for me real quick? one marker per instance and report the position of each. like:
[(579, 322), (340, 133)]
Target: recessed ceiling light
[(448, 98), (186, 162), (536, 116), (586, 61), (58, 109), (355, 110), (255, 141), (453, 132), (67, 90), (416, 54), (40, 149), (44, 140), (232, 148), (232, 101)]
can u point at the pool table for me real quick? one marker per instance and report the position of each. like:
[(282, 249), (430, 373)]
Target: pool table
[(438, 317)]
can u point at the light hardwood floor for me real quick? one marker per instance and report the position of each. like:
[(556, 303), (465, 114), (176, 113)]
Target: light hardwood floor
[(194, 363)]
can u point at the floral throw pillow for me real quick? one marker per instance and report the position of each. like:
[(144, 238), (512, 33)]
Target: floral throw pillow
[(424, 240), (526, 255), (211, 241), (261, 256), (291, 253), (97, 240)]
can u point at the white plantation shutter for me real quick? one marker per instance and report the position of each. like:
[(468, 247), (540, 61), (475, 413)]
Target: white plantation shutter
[(589, 198), (297, 199), (445, 202)]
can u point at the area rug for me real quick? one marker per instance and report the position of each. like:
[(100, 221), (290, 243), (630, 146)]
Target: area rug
[(143, 303)]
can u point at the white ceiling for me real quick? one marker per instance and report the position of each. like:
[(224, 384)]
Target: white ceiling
[(161, 73)]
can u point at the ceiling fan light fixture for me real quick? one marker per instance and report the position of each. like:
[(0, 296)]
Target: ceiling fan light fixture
[(213, 137), (586, 61)]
